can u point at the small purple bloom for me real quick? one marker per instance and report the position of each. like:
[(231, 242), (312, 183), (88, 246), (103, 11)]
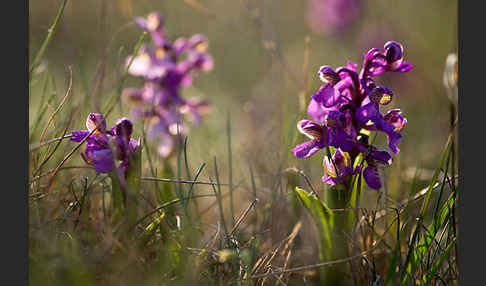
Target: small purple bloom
[(338, 168), (105, 147), (395, 118), (377, 62), (167, 69)]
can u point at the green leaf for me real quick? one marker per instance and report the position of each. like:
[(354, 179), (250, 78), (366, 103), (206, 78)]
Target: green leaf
[(319, 211)]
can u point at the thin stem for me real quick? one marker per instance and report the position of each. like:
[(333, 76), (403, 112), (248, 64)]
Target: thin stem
[(48, 39)]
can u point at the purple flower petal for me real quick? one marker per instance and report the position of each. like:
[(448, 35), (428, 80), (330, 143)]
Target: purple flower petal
[(310, 129), (124, 128), (395, 118), (335, 119), (367, 112), (79, 135), (327, 95), (393, 51), (394, 139), (141, 22), (330, 180), (404, 67), (381, 156), (372, 177), (102, 160), (328, 75), (340, 139), (316, 110), (306, 149)]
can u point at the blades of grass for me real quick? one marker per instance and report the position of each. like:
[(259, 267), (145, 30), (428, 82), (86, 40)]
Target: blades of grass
[(220, 200), (111, 105), (396, 258), (426, 241), (230, 170), (415, 235), (427, 278), (191, 188), (42, 99), (150, 230), (253, 188), (186, 162), (442, 186), (68, 92), (37, 171), (245, 213), (151, 165), (42, 107), (165, 206), (134, 174), (47, 40), (64, 160)]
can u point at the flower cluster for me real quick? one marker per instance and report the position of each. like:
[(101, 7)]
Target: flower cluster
[(105, 147), (166, 68), (346, 108)]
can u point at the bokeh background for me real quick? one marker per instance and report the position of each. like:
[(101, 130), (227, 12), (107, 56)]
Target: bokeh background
[(259, 50), (266, 57)]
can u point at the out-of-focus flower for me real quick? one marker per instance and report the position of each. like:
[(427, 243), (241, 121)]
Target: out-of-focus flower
[(450, 77), (330, 16), (107, 148), (347, 107), (166, 69)]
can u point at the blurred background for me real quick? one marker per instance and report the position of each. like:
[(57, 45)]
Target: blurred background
[(266, 57), (259, 49)]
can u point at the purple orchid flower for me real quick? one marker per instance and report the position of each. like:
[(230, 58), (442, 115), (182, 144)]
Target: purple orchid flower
[(105, 147), (167, 69), (348, 104)]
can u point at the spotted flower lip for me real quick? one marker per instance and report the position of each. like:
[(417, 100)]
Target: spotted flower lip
[(328, 75), (381, 95), (316, 133)]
